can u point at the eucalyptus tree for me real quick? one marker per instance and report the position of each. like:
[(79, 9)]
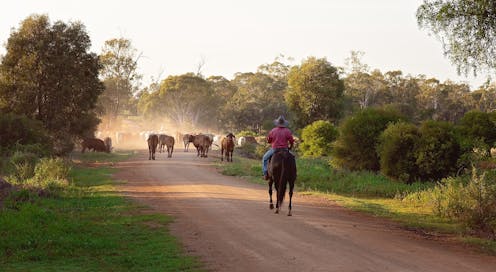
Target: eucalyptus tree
[(257, 101), (466, 28), (315, 91), (120, 63), (185, 99), (49, 74)]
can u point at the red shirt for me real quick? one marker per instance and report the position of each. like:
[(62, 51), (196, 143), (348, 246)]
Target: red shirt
[(279, 137)]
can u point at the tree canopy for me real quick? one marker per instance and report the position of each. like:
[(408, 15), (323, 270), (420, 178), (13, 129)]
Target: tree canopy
[(467, 29), (119, 59), (315, 91), (49, 74)]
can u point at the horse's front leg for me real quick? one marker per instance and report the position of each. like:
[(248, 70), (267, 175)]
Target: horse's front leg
[(271, 205)]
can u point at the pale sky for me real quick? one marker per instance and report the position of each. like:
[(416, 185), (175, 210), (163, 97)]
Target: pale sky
[(237, 36)]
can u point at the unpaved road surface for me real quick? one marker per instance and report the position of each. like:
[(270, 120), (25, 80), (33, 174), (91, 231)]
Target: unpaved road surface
[(226, 221)]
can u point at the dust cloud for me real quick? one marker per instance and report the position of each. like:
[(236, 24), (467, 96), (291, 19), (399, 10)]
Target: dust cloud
[(132, 133)]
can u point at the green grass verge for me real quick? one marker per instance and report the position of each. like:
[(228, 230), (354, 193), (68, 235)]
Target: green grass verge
[(95, 157), (88, 228), (364, 191)]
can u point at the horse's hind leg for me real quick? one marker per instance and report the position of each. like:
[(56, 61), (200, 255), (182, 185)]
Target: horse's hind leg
[(291, 187), (271, 205)]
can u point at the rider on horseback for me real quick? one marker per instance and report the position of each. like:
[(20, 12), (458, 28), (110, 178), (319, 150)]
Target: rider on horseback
[(279, 137)]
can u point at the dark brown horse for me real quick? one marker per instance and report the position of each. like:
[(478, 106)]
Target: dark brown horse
[(227, 145), (282, 170)]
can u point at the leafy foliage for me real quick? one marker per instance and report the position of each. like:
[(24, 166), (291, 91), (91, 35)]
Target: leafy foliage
[(120, 63), (49, 75), (317, 139), (473, 203), (355, 147), (315, 91), (467, 29), (185, 99), (437, 151), (397, 151), (257, 101), (18, 130), (475, 126)]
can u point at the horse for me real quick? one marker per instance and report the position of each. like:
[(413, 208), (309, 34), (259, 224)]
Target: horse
[(282, 170), (227, 145)]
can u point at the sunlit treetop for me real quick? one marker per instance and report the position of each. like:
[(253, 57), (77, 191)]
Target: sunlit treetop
[(467, 30)]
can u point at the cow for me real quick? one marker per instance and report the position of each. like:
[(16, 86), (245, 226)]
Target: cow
[(246, 139), (152, 146), (94, 144), (187, 139), (227, 144), (202, 144), (168, 141)]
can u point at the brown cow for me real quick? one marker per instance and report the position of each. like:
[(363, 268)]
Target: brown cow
[(152, 146), (227, 144), (94, 144), (168, 141), (202, 144), (187, 139)]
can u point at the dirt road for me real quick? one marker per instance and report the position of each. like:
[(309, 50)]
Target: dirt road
[(227, 222)]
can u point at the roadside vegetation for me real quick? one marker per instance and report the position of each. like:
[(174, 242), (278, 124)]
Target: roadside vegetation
[(66, 216)]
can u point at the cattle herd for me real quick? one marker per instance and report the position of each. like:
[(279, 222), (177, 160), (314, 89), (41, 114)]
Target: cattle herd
[(162, 142)]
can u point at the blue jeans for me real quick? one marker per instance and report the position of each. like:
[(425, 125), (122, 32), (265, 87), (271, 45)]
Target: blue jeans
[(265, 160)]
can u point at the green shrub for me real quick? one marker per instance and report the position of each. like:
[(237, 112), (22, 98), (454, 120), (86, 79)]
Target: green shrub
[(21, 166), (477, 126), (20, 130), (437, 151), (63, 143), (397, 151), (245, 133), (260, 149), (355, 147), (317, 139), (247, 150), (472, 203), (51, 172)]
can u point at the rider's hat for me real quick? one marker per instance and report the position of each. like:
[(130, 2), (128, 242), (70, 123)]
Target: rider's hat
[(281, 122)]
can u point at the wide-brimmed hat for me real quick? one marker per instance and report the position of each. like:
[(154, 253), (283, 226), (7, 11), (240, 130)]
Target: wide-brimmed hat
[(281, 122)]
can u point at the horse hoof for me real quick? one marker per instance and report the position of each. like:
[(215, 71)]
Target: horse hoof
[(271, 206), (289, 214), (277, 211)]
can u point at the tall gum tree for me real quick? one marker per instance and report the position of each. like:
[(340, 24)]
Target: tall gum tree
[(49, 74), (467, 30), (120, 63), (315, 91)]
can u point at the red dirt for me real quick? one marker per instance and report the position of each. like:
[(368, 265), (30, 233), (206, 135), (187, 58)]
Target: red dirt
[(226, 221)]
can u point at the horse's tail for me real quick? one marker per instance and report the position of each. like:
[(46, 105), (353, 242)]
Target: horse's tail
[(281, 190)]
